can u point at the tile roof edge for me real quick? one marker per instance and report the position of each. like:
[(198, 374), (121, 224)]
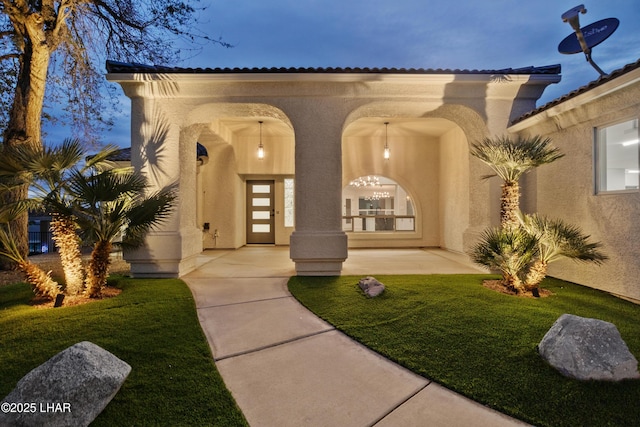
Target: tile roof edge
[(579, 91), (125, 67)]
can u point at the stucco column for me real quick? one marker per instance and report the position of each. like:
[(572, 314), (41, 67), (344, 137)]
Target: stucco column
[(166, 157), (318, 244)]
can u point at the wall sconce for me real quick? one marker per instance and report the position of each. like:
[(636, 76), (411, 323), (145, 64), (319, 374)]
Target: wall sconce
[(387, 151), (260, 146)]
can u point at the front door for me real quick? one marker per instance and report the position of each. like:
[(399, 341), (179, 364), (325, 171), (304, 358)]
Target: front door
[(260, 212)]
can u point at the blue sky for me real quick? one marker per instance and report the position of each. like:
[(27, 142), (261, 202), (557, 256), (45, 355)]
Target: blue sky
[(465, 34), (455, 34)]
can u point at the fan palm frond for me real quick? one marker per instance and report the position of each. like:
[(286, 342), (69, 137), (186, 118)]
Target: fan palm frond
[(510, 159), (109, 204), (146, 214), (509, 251), (557, 239)]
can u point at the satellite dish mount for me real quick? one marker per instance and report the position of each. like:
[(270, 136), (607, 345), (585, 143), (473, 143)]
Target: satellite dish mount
[(584, 39)]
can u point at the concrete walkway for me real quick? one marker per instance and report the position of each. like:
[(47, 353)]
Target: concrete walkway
[(286, 367)]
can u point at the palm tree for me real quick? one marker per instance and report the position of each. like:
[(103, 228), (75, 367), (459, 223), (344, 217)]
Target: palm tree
[(47, 169), (555, 240), (509, 160), (41, 282), (110, 204), (508, 250)]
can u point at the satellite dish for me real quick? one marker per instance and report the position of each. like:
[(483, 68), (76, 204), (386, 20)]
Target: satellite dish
[(594, 34), (584, 39)]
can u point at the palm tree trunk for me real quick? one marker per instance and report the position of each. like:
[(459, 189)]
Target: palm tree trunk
[(63, 229), (510, 205), (98, 269), (513, 283), (41, 282), (537, 272)]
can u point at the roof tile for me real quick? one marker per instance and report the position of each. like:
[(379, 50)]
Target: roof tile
[(124, 67), (591, 85)]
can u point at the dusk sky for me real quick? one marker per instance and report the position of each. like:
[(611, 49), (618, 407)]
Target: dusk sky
[(452, 34)]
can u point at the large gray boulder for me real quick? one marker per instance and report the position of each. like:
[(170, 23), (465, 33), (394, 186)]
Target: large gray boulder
[(371, 286), (70, 389), (588, 349)]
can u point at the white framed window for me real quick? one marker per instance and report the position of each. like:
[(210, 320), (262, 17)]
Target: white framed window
[(288, 202), (617, 159)]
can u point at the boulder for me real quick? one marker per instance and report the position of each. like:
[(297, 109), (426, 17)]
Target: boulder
[(371, 286), (588, 349), (70, 389)]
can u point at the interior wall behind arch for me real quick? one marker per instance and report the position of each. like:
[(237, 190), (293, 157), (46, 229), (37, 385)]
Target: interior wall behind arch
[(454, 189), (222, 199), (414, 164)]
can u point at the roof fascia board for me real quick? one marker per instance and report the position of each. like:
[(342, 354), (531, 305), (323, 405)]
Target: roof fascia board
[(333, 77)]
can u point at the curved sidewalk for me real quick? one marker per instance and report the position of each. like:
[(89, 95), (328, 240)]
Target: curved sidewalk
[(286, 367)]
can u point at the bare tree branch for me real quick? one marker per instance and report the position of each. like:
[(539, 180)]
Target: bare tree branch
[(9, 56)]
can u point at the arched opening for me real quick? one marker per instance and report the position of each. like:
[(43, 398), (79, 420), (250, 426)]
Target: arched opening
[(428, 162), (377, 204), (233, 186)]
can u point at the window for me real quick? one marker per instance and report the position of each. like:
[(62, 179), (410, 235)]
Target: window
[(618, 157), (376, 204), (288, 202)]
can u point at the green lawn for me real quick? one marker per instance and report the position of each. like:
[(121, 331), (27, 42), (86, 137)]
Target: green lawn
[(481, 343), (152, 325)]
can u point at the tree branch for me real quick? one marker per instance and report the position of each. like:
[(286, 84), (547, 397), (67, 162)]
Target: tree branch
[(116, 16), (9, 56)]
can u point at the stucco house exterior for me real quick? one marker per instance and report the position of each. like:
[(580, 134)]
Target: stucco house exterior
[(596, 184), (322, 182)]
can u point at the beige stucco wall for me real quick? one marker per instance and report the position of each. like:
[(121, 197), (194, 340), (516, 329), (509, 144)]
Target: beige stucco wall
[(565, 189), (222, 199), (454, 190)]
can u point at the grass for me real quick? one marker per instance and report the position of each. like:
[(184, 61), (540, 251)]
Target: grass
[(152, 325), (481, 343)]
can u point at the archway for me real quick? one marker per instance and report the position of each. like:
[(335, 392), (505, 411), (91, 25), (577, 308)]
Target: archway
[(232, 135), (429, 160), (377, 204)]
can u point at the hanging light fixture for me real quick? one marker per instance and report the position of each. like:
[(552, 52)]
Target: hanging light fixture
[(260, 146), (368, 181), (377, 195), (387, 151)]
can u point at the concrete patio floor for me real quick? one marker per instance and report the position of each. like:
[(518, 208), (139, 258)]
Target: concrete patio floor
[(286, 367)]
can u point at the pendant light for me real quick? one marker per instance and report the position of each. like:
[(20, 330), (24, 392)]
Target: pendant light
[(260, 146), (387, 151)]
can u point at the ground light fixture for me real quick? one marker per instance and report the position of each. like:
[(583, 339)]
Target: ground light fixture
[(387, 151), (260, 146)]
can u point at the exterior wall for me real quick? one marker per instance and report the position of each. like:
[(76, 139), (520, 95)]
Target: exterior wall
[(565, 188), (454, 189), (166, 156), (223, 199)]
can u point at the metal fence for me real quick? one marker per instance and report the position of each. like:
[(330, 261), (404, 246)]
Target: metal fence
[(40, 242)]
